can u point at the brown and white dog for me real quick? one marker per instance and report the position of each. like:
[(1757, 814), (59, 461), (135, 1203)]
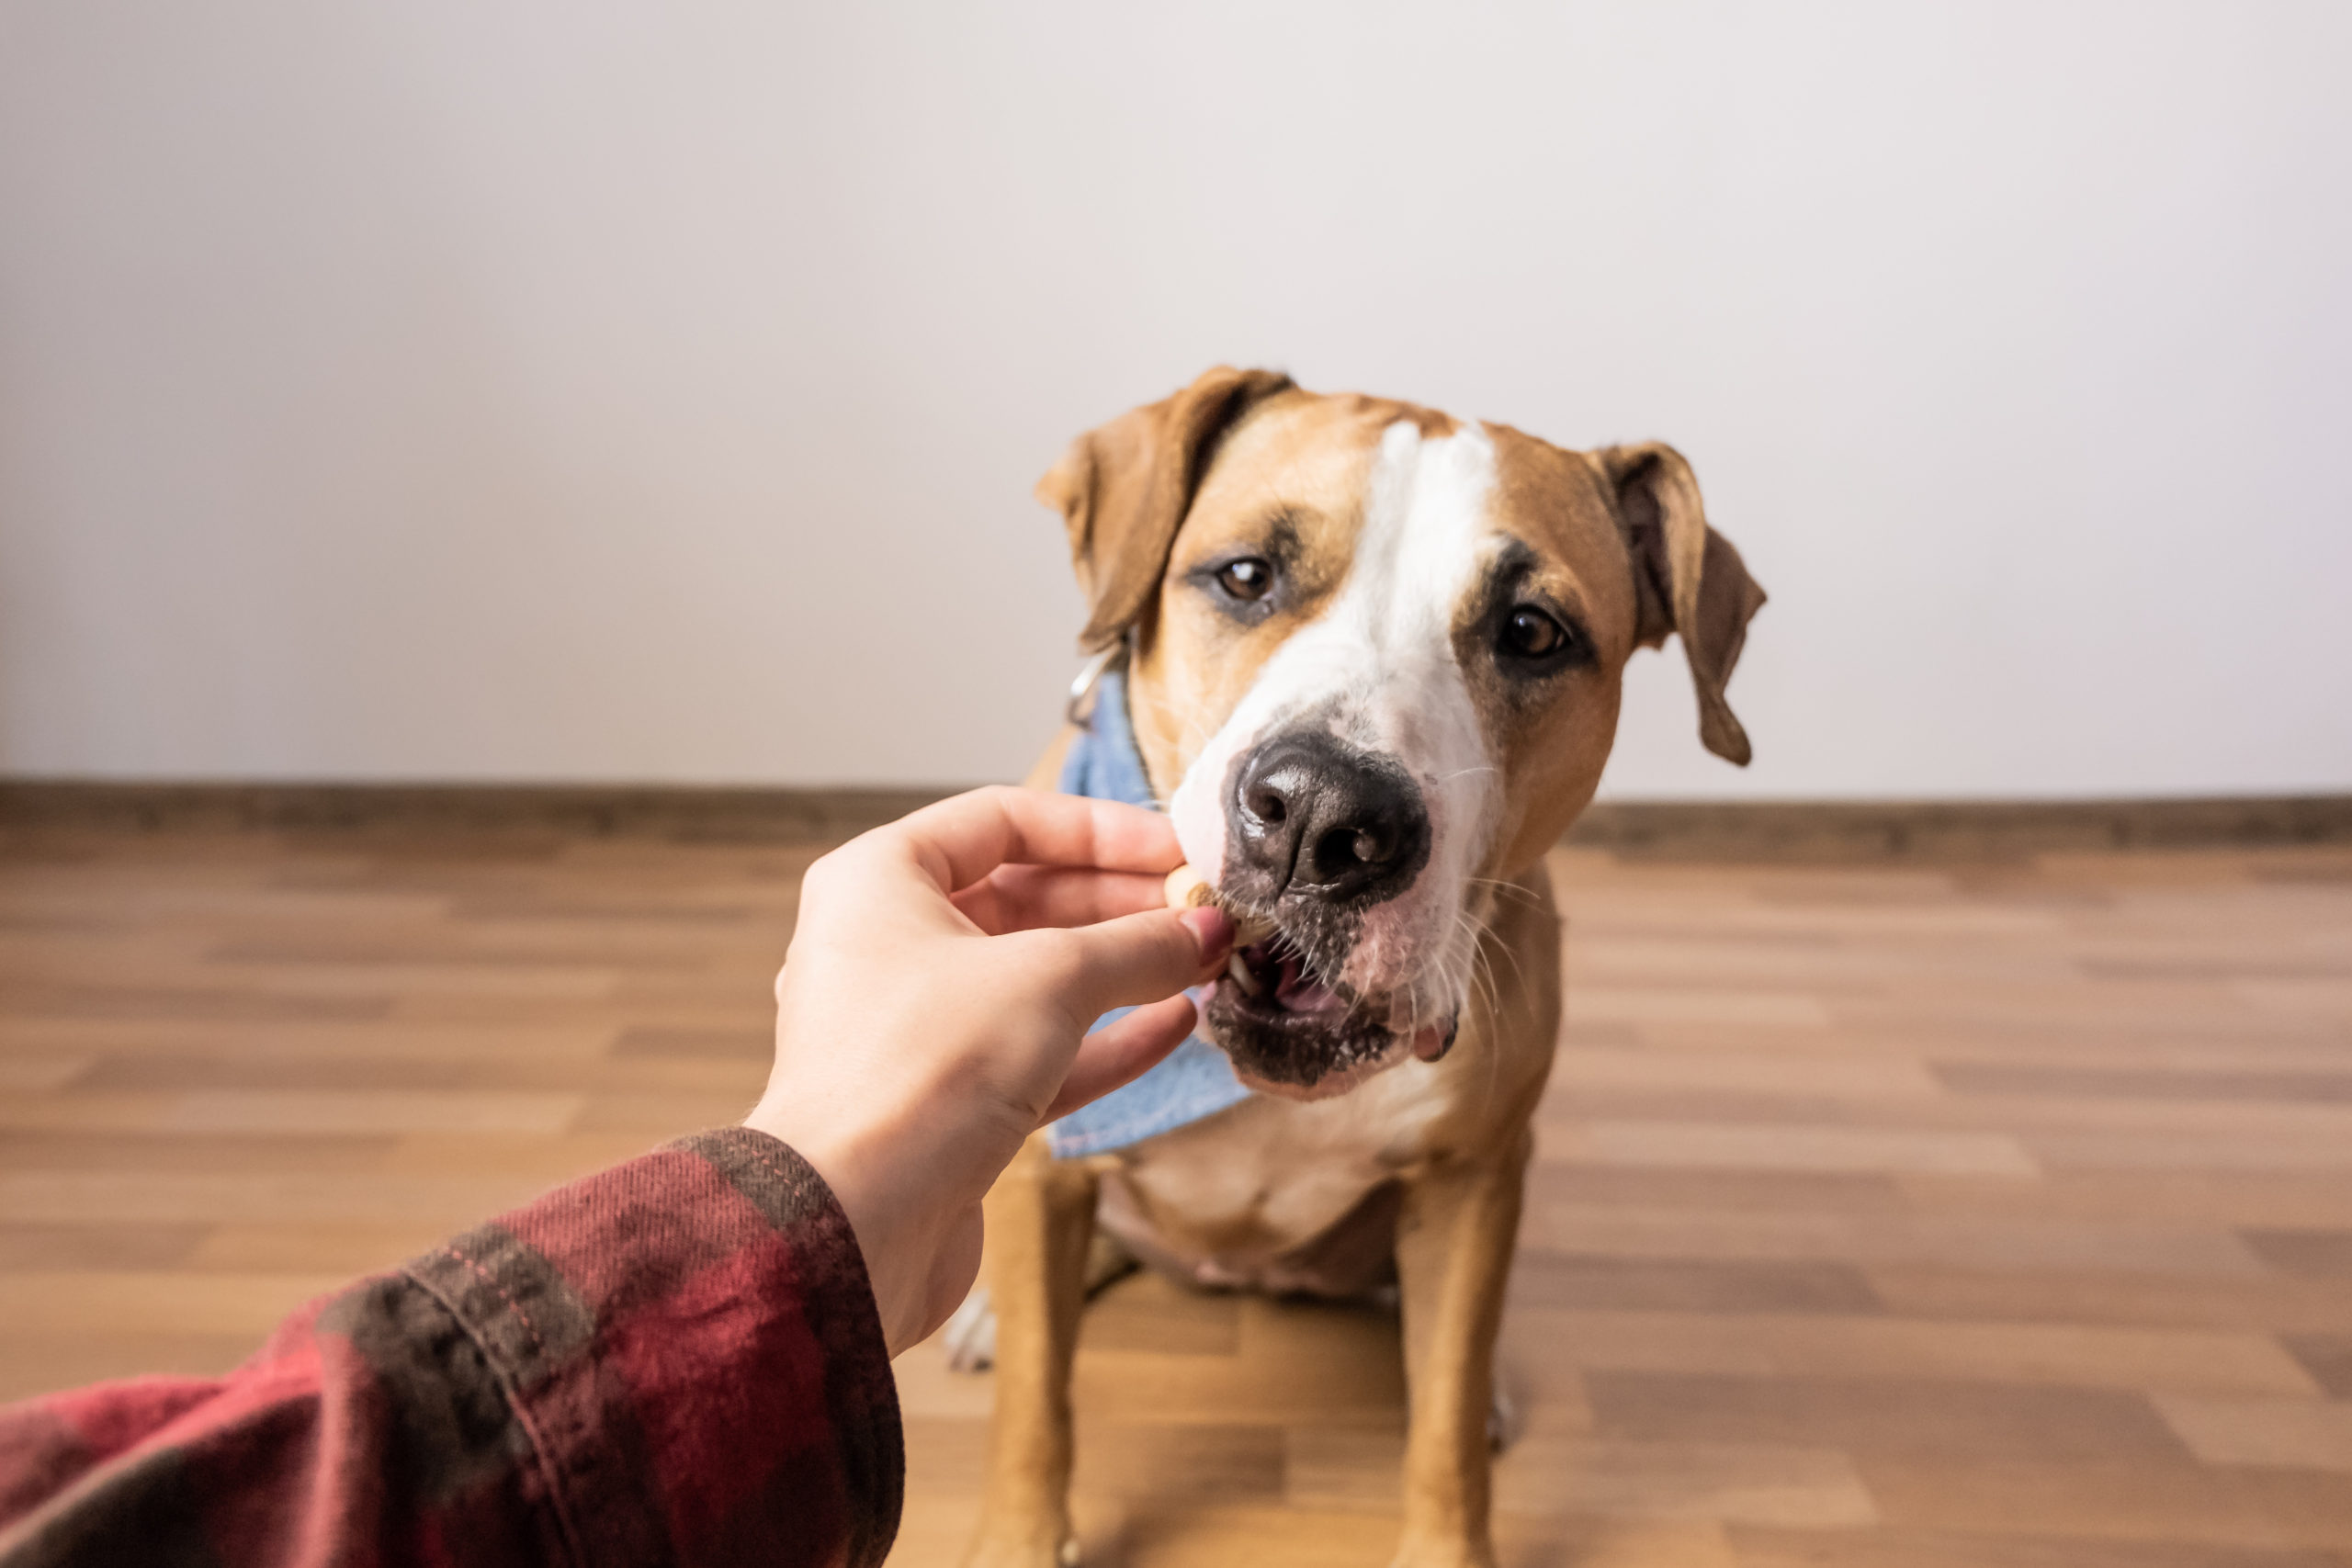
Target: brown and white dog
[(1375, 664)]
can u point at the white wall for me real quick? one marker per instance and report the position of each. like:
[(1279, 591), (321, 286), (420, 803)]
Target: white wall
[(603, 391)]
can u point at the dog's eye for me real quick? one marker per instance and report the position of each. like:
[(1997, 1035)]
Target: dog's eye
[(1529, 632), (1247, 579)]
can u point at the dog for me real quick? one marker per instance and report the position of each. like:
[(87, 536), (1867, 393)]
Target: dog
[(1371, 658)]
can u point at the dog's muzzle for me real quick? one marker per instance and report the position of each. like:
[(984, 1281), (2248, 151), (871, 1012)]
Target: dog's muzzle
[(1319, 833)]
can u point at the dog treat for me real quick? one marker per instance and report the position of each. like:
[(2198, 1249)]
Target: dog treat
[(1188, 888)]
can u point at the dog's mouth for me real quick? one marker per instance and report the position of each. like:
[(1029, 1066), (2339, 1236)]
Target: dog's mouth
[(1273, 979), (1292, 1031)]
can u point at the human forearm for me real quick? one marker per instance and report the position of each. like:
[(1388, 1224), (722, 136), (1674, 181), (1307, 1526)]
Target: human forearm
[(675, 1359)]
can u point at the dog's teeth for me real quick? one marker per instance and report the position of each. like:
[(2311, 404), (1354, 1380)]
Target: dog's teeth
[(1241, 976)]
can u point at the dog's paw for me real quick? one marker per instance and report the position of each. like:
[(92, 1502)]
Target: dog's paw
[(1443, 1554), (988, 1553), (970, 1334)]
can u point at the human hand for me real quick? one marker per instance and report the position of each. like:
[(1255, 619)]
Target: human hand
[(930, 1010)]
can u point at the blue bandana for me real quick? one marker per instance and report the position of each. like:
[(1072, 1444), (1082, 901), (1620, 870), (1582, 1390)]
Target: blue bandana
[(1195, 1081)]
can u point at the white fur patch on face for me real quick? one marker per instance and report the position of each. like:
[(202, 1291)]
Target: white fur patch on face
[(1378, 668)]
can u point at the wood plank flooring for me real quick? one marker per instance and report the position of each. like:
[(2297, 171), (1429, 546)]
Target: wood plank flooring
[(1898, 1215)]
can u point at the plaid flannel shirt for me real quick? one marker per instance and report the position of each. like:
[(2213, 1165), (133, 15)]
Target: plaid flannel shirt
[(676, 1361)]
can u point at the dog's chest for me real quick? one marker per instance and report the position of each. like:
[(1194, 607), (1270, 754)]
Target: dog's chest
[(1282, 1195)]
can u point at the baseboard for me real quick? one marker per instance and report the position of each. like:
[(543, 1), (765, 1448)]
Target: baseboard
[(1962, 829), (579, 810), (1662, 829)]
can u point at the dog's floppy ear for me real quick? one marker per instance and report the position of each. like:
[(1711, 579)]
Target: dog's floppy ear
[(1690, 580), (1123, 489)]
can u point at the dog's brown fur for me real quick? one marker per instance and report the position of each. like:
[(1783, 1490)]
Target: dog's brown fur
[(1425, 1161)]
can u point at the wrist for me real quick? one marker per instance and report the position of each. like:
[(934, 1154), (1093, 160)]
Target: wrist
[(847, 1174)]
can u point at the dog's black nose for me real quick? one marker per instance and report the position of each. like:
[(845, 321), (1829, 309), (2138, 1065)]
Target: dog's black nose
[(1314, 817)]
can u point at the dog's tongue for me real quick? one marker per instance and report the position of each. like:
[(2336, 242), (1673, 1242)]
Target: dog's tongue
[(1301, 992)]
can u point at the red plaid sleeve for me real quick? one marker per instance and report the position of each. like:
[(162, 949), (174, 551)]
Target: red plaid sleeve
[(674, 1362)]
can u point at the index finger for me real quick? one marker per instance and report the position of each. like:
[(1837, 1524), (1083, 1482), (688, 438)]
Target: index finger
[(962, 839), (1022, 897)]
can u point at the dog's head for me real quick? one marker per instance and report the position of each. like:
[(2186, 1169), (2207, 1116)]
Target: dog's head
[(1376, 660)]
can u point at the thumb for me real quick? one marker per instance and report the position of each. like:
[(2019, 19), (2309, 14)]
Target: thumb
[(1145, 957)]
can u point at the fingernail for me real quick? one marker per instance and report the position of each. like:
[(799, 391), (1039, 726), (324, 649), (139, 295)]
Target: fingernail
[(1212, 930)]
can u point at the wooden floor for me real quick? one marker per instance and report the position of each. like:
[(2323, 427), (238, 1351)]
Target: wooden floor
[(1905, 1216)]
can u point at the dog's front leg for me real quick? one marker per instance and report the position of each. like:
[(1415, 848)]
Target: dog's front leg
[(1040, 1218), (1453, 1251)]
